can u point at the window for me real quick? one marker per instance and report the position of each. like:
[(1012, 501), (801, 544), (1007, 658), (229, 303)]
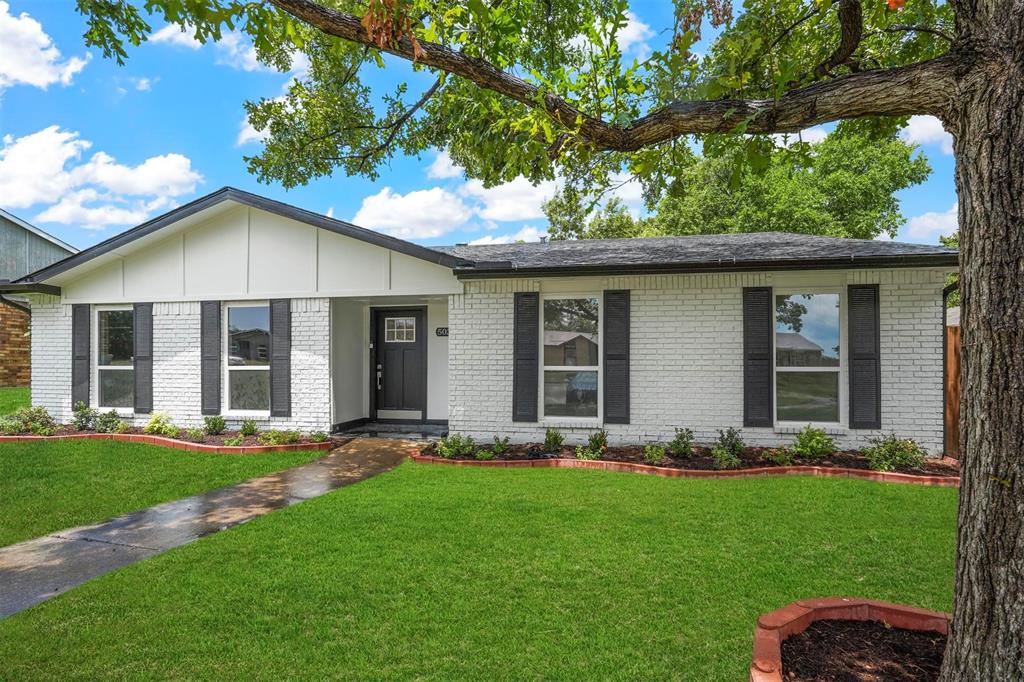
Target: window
[(248, 357), (571, 365), (807, 357), (400, 329), (115, 361)]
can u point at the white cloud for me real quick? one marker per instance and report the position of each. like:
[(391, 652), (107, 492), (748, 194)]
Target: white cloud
[(330, 212), (526, 234), (927, 130), (930, 226), (41, 169), (810, 135), (634, 35), (516, 200), (416, 215), (247, 133), (443, 167), (143, 84), (237, 52), (173, 34), (28, 55), (233, 49)]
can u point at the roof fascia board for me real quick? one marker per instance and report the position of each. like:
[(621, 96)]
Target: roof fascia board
[(28, 288)]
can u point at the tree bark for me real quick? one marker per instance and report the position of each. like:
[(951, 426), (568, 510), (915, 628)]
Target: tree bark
[(987, 636)]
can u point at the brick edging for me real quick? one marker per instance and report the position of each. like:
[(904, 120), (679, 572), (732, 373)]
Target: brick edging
[(772, 628), (173, 443), (606, 465)]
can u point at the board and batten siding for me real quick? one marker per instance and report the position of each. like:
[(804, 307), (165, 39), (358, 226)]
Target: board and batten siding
[(22, 252), (686, 355)]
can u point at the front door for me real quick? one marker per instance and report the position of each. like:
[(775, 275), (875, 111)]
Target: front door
[(399, 379)]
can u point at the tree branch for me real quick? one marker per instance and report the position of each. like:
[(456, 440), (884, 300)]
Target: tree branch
[(851, 24), (923, 88)]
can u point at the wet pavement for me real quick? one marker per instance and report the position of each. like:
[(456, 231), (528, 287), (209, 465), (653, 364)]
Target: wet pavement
[(36, 570)]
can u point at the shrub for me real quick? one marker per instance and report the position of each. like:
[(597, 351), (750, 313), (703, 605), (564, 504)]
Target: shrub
[(214, 425), (84, 417), (484, 455), (318, 437), (584, 452), (249, 428), (196, 435), (110, 422), (9, 426), (724, 457), (455, 445), (780, 456), (34, 420), (730, 441), (275, 437), (553, 440), (891, 452), (500, 447), (682, 445), (654, 454), (598, 441), (160, 425), (813, 443), (235, 442)]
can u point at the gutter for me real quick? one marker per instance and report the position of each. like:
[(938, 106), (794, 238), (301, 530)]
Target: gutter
[(20, 287)]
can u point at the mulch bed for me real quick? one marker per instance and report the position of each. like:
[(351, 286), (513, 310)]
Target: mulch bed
[(861, 651), (702, 461), (247, 441)]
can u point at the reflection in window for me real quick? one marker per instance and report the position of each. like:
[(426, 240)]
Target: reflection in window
[(115, 362), (571, 357), (807, 357), (248, 361), (400, 329)]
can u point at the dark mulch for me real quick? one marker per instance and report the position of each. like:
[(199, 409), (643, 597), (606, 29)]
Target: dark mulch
[(861, 651), (219, 439), (702, 461)]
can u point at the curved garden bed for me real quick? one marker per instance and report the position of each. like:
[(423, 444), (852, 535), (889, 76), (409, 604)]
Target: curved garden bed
[(178, 444), (845, 613)]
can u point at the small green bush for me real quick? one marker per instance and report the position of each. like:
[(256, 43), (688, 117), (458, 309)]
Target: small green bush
[(812, 443), (598, 441), (682, 445), (724, 457), (892, 452), (553, 440), (84, 417), (654, 454), (275, 437), (29, 420), (196, 435), (731, 441), (160, 424), (584, 452), (249, 428), (214, 425), (780, 456), (318, 437), (500, 446), (9, 426), (455, 445), (484, 455), (110, 422), (235, 442)]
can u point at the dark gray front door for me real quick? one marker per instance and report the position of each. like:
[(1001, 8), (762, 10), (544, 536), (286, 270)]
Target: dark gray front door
[(399, 380)]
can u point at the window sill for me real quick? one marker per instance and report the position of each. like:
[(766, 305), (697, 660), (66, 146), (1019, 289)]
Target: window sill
[(830, 429), (570, 422), (255, 416)]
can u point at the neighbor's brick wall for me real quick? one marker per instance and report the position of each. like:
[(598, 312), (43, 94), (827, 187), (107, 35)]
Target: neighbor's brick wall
[(176, 372), (686, 358), (15, 347)]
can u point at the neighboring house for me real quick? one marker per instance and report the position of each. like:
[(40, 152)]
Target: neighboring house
[(23, 249), (636, 336)]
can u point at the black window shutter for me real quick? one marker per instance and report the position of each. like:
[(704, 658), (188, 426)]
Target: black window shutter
[(281, 357), (525, 368), (757, 356), (209, 342), (142, 316), (81, 340), (865, 357), (616, 357)]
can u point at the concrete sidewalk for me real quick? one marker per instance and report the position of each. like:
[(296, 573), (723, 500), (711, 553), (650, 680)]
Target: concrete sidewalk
[(35, 570)]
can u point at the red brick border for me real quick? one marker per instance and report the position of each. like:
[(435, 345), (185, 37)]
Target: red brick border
[(604, 465), (772, 628), (174, 443)]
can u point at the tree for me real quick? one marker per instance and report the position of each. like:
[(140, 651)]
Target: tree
[(531, 87), (841, 187)]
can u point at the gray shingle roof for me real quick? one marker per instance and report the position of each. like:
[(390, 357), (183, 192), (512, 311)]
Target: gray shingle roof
[(696, 253)]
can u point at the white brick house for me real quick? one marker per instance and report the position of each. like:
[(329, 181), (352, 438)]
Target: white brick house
[(244, 307)]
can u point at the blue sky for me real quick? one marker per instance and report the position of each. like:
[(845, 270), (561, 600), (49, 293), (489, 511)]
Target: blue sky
[(89, 149)]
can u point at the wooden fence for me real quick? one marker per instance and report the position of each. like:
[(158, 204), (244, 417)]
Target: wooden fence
[(951, 417)]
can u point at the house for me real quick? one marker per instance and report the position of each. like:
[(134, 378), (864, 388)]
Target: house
[(23, 249), (249, 308)]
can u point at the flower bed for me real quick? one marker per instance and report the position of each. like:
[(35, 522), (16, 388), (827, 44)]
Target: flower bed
[(251, 444), (845, 636)]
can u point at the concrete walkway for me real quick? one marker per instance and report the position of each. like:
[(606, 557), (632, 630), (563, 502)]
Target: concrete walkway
[(35, 570)]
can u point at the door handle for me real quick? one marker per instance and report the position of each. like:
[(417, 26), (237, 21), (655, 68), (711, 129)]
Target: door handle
[(379, 373)]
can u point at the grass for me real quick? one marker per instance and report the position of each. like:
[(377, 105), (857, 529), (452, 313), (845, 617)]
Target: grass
[(49, 486), (13, 398), (434, 572)]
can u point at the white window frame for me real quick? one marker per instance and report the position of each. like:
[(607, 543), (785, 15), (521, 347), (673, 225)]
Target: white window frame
[(560, 419), (841, 370), (407, 318), (96, 366), (227, 367)]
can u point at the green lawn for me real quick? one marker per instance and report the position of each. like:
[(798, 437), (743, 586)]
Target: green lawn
[(433, 572), (13, 398), (59, 484)]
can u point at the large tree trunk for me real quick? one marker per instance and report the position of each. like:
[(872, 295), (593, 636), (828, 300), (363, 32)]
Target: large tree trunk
[(987, 118)]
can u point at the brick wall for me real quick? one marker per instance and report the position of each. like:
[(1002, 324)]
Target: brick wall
[(686, 356), (15, 347), (176, 372)]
